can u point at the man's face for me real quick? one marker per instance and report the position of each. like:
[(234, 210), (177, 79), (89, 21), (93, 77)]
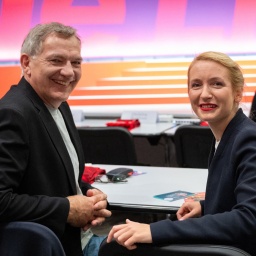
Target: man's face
[(56, 70)]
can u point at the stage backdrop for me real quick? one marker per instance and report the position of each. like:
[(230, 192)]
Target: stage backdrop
[(129, 46), (124, 28)]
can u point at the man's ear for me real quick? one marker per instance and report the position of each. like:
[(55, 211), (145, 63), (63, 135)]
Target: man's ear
[(25, 63)]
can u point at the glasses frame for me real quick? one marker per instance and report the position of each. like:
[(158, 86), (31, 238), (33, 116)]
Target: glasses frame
[(103, 178)]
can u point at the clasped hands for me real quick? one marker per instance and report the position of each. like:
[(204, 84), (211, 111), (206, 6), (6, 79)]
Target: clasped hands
[(88, 210)]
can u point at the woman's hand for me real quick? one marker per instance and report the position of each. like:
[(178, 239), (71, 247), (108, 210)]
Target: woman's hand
[(130, 233), (189, 210)]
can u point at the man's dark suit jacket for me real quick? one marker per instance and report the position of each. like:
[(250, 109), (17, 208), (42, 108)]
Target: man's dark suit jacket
[(36, 173)]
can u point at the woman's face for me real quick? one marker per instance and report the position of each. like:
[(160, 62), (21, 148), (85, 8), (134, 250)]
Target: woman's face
[(211, 93)]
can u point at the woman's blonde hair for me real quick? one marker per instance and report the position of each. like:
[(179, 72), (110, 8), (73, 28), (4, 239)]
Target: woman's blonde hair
[(235, 73)]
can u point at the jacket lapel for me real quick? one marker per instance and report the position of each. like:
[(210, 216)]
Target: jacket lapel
[(74, 136), (54, 134)]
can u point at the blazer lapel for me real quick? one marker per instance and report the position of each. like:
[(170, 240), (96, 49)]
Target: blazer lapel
[(54, 134), (68, 118), (59, 144)]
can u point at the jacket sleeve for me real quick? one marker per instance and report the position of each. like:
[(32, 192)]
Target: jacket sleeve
[(14, 161), (85, 186), (230, 199), (202, 207)]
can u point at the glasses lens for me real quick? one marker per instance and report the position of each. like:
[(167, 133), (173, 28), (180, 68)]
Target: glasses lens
[(102, 178), (119, 178)]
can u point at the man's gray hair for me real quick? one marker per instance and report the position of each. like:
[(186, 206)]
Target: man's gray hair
[(32, 44)]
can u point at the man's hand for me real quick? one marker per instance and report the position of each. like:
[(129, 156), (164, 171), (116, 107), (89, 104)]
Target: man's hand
[(100, 211), (82, 209)]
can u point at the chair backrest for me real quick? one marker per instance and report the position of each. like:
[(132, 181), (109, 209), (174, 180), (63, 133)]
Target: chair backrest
[(114, 249), (108, 145), (28, 238), (192, 145)]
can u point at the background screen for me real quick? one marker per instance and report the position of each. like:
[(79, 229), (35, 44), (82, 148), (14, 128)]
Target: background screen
[(136, 28)]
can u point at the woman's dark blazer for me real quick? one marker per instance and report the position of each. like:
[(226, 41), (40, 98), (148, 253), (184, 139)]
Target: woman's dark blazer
[(229, 209), (36, 173)]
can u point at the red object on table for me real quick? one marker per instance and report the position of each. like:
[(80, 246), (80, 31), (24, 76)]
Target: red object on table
[(126, 123), (90, 173)]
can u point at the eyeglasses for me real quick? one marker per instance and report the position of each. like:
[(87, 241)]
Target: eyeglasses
[(113, 179)]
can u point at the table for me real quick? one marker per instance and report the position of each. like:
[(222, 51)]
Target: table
[(137, 194), (145, 129)]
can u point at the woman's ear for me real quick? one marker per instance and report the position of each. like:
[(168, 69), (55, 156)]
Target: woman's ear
[(25, 64), (238, 96)]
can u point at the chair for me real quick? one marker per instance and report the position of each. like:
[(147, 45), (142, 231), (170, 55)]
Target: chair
[(114, 249), (28, 239), (192, 145), (108, 145)]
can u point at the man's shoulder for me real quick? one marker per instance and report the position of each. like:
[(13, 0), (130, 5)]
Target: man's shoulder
[(15, 97)]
